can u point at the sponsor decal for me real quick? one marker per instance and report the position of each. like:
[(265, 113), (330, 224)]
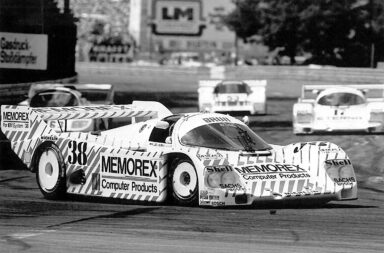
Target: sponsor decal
[(302, 144), (338, 162), (213, 197), (338, 118), (77, 153), (209, 156), (232, 187), (282, 170), (217, 203), (344, 180), (264, 177), (216, 119), (95, 181), (269, 168), (49, 138), (301, 193), (222, 168), (330, 150), (129, 166), (15, 119), (129, 174), (157, 144), (142, 128), (205, 202), (125, 187), (203, 194), (299, 175)]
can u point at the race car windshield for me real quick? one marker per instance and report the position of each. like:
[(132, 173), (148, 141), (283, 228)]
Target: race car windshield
[(232, 88), (341, 99), (227, 136), (53, 99)]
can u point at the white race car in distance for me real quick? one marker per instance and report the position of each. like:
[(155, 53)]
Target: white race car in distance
[(328, 108), (233, 96), (205, 159), (63, 95)]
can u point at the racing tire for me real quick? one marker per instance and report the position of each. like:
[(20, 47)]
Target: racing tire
[(183, 182), (50, 172)]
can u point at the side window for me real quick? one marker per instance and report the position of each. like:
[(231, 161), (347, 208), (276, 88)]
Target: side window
[(159, 135)]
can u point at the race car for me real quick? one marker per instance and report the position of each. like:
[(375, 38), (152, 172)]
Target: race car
[(328, 108), (60, 95), (205, 159), (233, 96)]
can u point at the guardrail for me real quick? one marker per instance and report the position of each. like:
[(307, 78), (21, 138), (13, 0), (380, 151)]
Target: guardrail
[(299, 73)]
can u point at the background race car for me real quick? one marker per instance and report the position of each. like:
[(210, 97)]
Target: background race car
[(327, 108), (59, 95), (206, 159), (233, 96)]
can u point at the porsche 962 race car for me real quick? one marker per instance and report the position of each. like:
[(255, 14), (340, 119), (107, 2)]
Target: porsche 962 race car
[(327, 108), (233, 96), (205, 159)]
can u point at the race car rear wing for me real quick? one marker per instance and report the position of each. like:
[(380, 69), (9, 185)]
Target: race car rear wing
[(20, 119), (213, 83), (372, 92)]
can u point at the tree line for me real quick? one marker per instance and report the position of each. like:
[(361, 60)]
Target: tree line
[(347, 33)]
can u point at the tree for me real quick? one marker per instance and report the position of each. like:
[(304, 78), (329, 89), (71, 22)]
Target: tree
[(336, 32)]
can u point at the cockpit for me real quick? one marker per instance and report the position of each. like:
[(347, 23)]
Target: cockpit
[(341, 99)]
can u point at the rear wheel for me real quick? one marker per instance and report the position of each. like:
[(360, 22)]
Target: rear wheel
[(50, 173), (183, 182)]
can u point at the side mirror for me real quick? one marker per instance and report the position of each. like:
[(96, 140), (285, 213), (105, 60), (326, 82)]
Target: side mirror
[(168, 140), (162, 125), (245, 120)]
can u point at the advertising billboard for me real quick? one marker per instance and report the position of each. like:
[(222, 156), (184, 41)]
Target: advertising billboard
[(23, 51), (178, 17)]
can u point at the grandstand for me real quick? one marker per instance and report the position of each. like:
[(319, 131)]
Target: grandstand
[(101, 24)]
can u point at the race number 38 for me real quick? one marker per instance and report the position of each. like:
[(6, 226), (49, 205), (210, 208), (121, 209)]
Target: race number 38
[(77, 152)]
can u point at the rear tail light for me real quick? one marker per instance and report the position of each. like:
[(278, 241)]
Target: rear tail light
[(376, 117), (304, 118)]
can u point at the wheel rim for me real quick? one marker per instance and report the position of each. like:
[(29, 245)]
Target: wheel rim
[(184, 180), (48, 170)]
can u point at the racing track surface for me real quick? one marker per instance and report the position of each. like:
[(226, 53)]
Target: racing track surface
[(29, 223)]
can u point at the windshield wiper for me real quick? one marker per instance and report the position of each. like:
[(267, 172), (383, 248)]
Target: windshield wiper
[(246, 141)]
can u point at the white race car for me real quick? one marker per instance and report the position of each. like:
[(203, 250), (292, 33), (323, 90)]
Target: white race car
[(233, 96), (205, 159), (327, 108)]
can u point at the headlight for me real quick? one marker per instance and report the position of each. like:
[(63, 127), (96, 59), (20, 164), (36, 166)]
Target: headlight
[(228, 178), (214, 180), (222, 179), (346, 172), (376, 117), (304, 118)]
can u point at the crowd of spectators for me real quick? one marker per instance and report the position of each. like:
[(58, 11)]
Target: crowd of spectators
[(102, 30)]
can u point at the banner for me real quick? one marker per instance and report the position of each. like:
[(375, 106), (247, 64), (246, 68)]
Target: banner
[(23, 51)]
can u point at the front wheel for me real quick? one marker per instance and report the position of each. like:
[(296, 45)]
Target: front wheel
[(183, 182), (50, 174)]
